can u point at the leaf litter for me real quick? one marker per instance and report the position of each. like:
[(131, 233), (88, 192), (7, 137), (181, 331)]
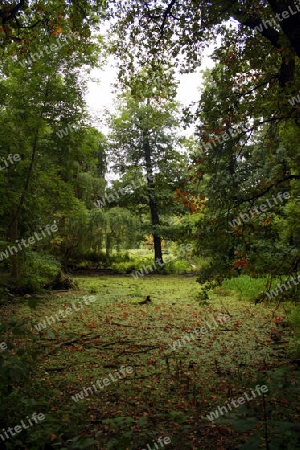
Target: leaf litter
[(172, 390)]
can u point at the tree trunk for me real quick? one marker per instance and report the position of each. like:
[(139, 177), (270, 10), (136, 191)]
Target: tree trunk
[(152, 202)]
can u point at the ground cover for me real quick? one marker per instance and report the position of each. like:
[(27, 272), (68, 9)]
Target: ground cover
[(186, 361)]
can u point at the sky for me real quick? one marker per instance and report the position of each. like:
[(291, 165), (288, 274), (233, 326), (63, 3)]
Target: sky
[(100, 90)]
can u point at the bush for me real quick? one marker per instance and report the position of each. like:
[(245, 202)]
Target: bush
[(178, 266), (131, 265), (62, 282), (36, 270)]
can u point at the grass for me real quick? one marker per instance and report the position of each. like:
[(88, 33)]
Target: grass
[(243, 287), (170, 391)]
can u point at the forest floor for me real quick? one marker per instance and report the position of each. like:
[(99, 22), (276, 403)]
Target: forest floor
[(169, 389)]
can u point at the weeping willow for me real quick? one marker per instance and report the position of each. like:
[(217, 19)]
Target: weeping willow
[(91, 232)]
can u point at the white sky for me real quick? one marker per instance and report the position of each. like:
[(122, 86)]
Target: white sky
[(100, 90)]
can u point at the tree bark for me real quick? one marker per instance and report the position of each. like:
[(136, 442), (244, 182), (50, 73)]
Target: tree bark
[(291, 25), (152, 201)]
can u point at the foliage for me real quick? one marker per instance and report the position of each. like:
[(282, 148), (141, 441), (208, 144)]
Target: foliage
[(294, 318), (17, 365), (45, 123), (36, 270), (23, 26), (244, 286)]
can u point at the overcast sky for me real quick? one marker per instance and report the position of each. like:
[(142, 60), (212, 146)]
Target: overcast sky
[(100, 90)]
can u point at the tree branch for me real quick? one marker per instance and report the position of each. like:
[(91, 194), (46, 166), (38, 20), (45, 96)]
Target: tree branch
[(8, 14), (261, 194), (165, 17)]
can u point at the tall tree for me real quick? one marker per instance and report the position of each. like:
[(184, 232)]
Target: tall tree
[(44, 122), (184, 28), (144, 140)]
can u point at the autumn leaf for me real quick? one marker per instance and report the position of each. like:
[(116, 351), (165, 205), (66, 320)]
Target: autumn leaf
[(267, 221)]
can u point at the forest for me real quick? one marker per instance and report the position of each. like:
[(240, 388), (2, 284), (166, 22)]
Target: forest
[(149, 252)]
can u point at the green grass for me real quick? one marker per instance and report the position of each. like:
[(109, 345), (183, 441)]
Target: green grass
[(244, 287), (169, 392)]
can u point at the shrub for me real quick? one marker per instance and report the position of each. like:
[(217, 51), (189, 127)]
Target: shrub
[(36, 270), (177, 266)]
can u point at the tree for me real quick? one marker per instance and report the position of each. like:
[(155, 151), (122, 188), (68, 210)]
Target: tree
[(235, 232), (44, 123), (176, 28), (144, 142), (23, 23)]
